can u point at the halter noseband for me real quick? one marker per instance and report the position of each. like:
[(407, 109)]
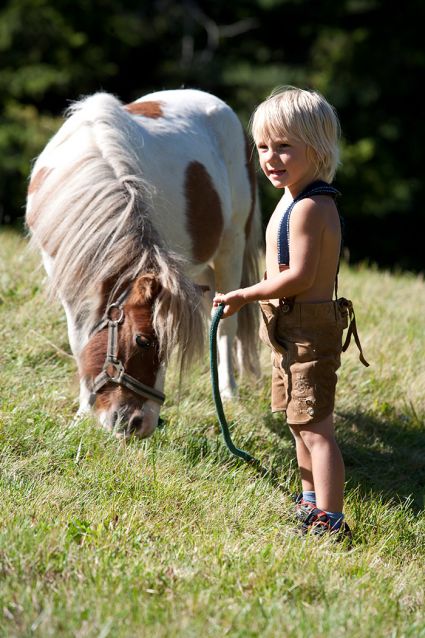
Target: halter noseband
[(113, 368)]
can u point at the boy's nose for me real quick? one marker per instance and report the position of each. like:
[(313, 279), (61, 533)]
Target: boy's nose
[(273, 159), (271, 153)]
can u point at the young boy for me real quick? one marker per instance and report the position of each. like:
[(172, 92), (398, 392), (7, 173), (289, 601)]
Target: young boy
[(296, 133)]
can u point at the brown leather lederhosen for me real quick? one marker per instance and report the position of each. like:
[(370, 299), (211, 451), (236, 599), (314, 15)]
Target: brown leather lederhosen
[(306, 343)]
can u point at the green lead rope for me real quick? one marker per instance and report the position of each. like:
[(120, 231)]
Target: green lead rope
[(216, 392)]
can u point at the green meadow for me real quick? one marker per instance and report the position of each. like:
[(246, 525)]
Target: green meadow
[(174, 537)]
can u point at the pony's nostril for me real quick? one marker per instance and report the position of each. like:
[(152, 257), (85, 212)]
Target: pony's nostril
[(135, 423)]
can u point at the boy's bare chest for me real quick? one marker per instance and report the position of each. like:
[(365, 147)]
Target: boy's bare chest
[(272, 229), (272, 232)]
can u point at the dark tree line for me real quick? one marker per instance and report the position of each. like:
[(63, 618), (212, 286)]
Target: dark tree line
[(366, 56)]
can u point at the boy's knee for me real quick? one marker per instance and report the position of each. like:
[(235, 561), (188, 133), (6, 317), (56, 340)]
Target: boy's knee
[(318, 433), (310, 439)]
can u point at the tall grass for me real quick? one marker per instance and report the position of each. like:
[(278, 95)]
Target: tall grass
[(172, 536)]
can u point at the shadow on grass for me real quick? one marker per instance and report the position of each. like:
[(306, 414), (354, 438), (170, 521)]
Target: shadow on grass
[(383, 454), (383, 451), (273, 463)]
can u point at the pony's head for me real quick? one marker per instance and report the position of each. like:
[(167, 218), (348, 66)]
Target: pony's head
[(122, 364)]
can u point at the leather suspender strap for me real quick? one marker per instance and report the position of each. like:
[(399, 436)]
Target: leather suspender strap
[(352, 330), (316, 188)]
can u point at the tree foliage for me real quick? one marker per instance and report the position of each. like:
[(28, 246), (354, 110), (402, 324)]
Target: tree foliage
[(364, 57)]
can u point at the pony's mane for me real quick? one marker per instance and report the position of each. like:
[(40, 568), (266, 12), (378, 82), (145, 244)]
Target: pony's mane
[(93, 216)]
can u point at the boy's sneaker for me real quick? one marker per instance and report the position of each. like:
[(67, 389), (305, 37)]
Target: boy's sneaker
[(318, 524), (302, 508)]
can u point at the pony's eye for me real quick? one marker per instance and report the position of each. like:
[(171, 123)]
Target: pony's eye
[(143, 342)]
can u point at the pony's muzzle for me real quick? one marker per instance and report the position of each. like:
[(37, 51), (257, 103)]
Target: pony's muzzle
[(138, 422), (140, 425)]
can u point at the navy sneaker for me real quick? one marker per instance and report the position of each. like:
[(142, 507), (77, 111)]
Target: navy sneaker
[(302, 508), (318, 524)]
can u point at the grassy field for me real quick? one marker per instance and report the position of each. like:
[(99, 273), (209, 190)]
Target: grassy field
[(172, 536)]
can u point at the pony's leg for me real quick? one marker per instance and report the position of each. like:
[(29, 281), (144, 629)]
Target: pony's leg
[(75, 342), (74, 339), (47, 263), (226, 338), (84, 406), (226, 334), (228, 272), (74, 336), (207, 279)]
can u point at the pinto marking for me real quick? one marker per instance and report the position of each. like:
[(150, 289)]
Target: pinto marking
[(204, 217), (147, 109)]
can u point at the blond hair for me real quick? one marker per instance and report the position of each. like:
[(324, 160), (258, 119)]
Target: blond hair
[(304, 116)]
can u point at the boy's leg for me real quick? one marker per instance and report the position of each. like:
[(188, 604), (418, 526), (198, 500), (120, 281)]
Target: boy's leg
[(327, 464), (303, 460)]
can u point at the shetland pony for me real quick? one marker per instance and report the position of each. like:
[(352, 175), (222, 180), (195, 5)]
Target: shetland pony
[(132, 208)]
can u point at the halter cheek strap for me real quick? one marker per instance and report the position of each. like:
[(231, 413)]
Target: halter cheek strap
[(113, 368), (352, 329)]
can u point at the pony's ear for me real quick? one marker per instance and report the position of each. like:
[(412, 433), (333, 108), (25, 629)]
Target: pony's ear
[(147, 286)]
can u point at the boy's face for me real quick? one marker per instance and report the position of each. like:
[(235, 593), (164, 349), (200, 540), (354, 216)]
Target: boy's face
[(285, 162)]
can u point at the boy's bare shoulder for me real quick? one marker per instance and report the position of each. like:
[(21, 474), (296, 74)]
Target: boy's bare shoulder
[(315, 212), (317, 203)]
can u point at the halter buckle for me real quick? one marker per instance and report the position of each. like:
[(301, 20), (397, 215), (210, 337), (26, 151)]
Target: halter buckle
[(113, 307), (114, 369)]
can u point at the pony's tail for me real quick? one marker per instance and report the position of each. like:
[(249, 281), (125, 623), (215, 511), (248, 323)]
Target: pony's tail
[(248, 316)]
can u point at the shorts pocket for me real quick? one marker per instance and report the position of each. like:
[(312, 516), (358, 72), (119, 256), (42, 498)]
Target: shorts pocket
[(268, 329), (263, 332)]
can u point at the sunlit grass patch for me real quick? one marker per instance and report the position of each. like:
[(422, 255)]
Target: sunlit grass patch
[(172, 536)]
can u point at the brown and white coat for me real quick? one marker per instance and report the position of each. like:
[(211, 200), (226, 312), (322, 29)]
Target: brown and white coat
[(154, 197)]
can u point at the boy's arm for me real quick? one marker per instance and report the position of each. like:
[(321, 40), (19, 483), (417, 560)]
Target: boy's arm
[(306, 229)]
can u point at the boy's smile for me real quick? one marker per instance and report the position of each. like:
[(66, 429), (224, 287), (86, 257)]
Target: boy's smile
[(274, 172), (285, 163)]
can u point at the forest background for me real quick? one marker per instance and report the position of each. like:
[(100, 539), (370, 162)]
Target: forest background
[(366, 56)]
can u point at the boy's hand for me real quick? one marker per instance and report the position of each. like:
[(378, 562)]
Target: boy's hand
[(234, 301)]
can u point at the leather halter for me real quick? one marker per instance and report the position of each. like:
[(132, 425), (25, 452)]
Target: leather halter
[(113, 369)]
